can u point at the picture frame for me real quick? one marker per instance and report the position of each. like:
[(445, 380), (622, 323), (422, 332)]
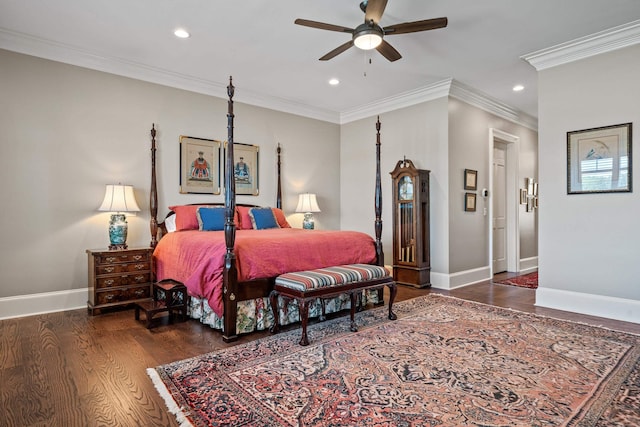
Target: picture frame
[(470, 202), (246, 161), (470, 179), (599, 160), (199, 165)]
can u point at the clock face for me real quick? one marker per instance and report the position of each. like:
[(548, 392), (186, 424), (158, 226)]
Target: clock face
[(405, 191)]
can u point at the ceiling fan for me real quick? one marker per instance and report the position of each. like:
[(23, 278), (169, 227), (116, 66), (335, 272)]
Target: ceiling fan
[(370, 35)]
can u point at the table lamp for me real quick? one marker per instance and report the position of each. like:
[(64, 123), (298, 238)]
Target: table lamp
[(307, 204), (118, 199)]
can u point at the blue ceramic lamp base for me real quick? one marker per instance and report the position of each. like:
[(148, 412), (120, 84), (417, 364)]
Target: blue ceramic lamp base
[(307, 222), (118, 232)]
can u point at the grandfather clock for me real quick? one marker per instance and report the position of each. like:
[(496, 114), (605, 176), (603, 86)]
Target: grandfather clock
[(411, 257)]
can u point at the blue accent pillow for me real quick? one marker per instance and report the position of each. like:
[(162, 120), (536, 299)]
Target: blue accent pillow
[(263, 218), (210, 219)]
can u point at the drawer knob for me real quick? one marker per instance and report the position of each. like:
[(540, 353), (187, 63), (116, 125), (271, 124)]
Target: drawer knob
[(140, 266), (110, 259), (137, 257), (109, 269), (109, 282)]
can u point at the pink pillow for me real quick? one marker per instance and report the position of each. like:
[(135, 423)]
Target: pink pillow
[(282, 220), (245, 219), (187, 217)]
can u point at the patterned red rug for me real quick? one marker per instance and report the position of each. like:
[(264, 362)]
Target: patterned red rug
[(444, 362), (525, 281)]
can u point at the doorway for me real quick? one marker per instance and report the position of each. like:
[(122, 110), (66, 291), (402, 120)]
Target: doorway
[(504, 235)]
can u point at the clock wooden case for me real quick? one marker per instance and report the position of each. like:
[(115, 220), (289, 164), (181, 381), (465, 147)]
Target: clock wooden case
[(411, 256)]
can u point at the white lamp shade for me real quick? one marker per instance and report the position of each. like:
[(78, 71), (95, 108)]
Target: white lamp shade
[(119, 198), (307, 203)]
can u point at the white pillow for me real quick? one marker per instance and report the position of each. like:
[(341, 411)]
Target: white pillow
[(170, 223)]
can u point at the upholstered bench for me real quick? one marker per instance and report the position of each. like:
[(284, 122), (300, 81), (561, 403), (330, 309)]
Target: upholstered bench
[(305, 286)]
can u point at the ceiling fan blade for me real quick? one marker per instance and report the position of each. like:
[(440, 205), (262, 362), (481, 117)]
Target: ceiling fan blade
[(323, 26), (374, 11), (414, 27), (388, 51), (337, 51)]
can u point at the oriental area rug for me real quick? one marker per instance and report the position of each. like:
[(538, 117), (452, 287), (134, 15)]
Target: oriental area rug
[(525, 281), (444, 362)]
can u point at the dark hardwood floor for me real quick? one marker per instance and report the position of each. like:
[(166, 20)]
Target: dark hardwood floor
[(70, 369)]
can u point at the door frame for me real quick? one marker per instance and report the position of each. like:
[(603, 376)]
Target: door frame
[(512, 202)]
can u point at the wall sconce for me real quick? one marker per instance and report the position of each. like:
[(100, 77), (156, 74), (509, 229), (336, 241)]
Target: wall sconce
[(118, 199), (307, 204), (529, 194)]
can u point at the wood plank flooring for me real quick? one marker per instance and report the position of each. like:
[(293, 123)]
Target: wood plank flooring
[(71, 369)]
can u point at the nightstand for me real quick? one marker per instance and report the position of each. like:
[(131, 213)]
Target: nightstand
[(118, 277)]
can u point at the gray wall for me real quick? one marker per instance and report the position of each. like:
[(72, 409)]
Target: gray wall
[(469, 149), (66, 131), (444, 136), (418, 133), (588, 242)]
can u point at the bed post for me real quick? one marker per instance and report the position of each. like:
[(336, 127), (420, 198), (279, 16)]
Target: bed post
[(279, 191), (153, 195), (378, 200), (378, 209), (230, 274)]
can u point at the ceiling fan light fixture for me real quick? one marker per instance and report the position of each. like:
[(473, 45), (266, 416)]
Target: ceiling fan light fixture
[(367, 36), (368, 41)]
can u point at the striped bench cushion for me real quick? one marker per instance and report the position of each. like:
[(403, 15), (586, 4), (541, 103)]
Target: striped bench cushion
[(331, 276)]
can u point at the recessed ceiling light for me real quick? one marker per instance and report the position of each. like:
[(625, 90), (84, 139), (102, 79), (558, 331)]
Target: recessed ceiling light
[(183, 34), (334, 82), (518, 88)]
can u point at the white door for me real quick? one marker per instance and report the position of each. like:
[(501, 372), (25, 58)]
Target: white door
[(499, 207)]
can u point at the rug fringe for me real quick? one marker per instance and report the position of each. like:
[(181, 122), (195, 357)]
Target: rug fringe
[(172, 406)]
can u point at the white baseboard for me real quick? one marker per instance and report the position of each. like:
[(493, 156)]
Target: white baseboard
[(459, 279), (594, 305), (46, 302), (528, 265)]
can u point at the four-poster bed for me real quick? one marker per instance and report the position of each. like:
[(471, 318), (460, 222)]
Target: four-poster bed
[(229, 273)]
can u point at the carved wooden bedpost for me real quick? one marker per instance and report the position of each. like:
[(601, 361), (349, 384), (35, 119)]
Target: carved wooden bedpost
[(378, 200), (230, 275), (279, 191), (153, 195)]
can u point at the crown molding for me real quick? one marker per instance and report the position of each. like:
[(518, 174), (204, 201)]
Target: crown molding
[(584, 47), (447, 87), (491, 105), (401, 100), (59, 52)]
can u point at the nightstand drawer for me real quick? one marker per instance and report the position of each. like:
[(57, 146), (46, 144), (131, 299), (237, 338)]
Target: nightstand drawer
[(125, 294), (122, 257), (122, 280), (118, 277), (103, 269)]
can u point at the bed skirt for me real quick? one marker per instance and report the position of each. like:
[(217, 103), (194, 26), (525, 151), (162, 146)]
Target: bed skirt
[(255, 315)]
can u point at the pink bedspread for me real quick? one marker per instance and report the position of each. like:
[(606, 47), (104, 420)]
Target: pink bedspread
[(196, 258)]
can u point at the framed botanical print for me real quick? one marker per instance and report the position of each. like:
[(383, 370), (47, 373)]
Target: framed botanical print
[(199, 165), (470, 179), (246, 168), (599, 160), (470, 202)]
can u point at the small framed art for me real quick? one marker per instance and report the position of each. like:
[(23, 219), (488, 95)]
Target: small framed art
[(470, 179), (599, 160), (470, 202), (199, 165), (246, 168)]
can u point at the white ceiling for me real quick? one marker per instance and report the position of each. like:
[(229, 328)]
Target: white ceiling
[(274, 62)]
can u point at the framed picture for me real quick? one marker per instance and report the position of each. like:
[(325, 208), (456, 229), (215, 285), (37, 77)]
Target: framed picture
[(199, 165), (470, 202), (599, 160), (246, 168), (470, 179)]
